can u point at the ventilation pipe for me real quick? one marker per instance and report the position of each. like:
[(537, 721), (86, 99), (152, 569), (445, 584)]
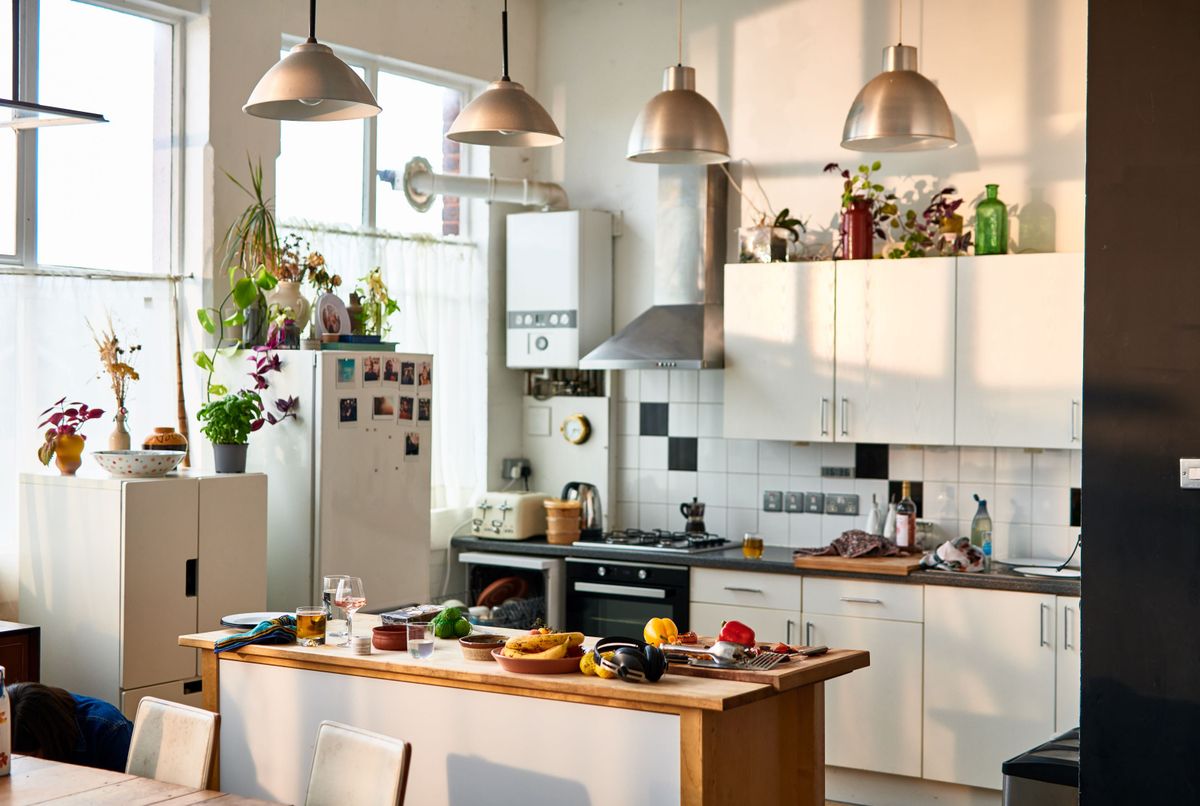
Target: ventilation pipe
[(421, 184)]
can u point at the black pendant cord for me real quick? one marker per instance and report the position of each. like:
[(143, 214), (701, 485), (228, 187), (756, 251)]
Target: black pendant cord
[(503, 40), (16, 50), (312, 20)]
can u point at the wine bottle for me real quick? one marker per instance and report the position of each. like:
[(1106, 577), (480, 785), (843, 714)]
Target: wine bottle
[(906, 518)]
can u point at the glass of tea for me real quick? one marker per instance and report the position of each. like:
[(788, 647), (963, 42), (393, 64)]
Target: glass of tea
[(310, 625), (752, 546), (420, 640)]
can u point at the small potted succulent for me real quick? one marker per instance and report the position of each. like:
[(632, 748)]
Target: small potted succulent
[(63, 441)]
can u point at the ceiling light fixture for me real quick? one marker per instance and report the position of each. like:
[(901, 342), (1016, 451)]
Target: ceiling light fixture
[(679, 126), (504, 114), (18, 114), (311, 84), (899, 109)]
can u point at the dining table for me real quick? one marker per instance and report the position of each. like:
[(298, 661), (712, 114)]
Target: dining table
[(38, 780)]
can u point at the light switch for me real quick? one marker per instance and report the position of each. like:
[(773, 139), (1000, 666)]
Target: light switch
[(537, 421)]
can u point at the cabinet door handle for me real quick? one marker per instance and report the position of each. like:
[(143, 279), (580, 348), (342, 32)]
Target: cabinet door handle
[(1074, 420), (824, 416), (788, 637), (845, 417), (1067, 629), (861, 600), (189, 578), (736, 589), (1042, 625), (808, 631)]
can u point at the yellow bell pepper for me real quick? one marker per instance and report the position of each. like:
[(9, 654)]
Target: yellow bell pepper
[(659, 631)]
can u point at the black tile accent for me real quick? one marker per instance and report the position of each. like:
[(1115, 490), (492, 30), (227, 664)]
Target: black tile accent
[(918, 491), (654, 420), (1076, 507), (681, 452), (870, 461)]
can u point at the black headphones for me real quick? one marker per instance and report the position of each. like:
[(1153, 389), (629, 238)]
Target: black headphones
[(633, 660)]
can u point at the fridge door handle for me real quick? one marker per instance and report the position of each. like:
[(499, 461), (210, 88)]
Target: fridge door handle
[(189, 577)]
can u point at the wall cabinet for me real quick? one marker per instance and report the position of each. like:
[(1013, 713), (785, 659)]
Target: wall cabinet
[(1066, 688)]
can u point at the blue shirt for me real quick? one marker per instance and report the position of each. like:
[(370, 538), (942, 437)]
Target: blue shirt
[(104, 735)]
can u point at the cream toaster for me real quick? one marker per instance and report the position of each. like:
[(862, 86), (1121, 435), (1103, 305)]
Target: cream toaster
[(509, 516)]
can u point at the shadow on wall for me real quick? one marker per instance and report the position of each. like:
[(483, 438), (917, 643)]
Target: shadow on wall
[(472, 780)]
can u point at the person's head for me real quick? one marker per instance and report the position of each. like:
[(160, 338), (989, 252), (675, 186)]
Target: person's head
[(43, 721)]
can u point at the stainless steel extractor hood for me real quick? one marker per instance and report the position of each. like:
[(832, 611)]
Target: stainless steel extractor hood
[(685, 329)]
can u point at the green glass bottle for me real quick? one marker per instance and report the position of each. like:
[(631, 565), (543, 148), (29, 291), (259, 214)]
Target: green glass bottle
[(991, 225)]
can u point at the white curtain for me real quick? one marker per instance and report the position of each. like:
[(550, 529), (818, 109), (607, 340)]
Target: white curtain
[(441, 287)]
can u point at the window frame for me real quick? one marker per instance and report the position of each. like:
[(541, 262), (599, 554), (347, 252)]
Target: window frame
[(25, 260)]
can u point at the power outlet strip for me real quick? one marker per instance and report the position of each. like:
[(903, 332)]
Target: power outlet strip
[(841, 504)]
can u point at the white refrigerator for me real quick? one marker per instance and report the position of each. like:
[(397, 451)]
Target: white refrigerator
[(349, 477)]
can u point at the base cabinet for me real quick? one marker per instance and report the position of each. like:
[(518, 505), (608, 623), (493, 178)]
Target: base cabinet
[(1066, 686), (768, 625)]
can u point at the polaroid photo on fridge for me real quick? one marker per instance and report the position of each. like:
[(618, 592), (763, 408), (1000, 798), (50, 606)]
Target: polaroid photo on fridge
[(405, 412), (383, 407), (424, 374), (408, 373), (391, 370), (372, 370), (412, 446), (348, 412), (424, 410), (347, 373)]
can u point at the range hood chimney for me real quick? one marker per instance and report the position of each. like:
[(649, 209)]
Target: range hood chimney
[(685, 329)]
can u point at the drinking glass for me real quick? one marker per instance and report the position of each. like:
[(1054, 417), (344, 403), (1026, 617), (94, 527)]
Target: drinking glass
[(351, 597), (752, 546), (310, 625), (420, 640), (335, 626)]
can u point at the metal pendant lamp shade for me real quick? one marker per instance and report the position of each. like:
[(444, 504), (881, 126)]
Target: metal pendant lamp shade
[(311, 84), (899, 109), (678, 126), (504, 114)]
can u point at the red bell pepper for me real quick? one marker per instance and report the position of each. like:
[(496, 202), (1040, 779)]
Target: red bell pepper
[(736, 632)]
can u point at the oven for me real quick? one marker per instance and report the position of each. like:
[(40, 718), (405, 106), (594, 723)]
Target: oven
[(617, 598)]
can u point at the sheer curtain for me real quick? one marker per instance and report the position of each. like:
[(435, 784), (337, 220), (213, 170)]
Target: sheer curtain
[(441, 287)]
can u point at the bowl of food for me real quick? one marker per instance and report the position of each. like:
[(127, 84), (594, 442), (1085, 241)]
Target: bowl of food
[(541, 653), (138, 464), (480, 646)]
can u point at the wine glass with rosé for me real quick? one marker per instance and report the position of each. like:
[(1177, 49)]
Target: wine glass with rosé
[(351, 597)]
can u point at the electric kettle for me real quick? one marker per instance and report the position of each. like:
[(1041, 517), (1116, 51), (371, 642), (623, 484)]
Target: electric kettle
[(590, 518)]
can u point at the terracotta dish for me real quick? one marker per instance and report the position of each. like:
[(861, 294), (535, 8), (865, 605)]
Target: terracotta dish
[(390, 637), (501, 591), (565, 665)]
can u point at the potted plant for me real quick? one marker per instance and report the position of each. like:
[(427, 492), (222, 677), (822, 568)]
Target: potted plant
[(866, 210), (252, 251), (63, 442), (117, 362), (376, 304), (937, 231), (290, 271)]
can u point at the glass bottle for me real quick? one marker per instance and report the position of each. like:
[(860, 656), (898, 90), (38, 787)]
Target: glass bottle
[(906, 518), (991, 225), (981, 524)]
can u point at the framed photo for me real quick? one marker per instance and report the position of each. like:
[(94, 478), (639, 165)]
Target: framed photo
[(383, 407), (331, 315), (348, 412), (406, 409), (371, 370), (424, 374), (412, 446), (347, 373), (391, 369), (408, 373), (424, 410)]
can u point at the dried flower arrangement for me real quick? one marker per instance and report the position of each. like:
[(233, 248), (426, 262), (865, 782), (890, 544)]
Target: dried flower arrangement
[(117, 361)]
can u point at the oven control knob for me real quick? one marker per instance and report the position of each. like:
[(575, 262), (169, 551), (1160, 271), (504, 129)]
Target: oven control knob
[(542, 343), (642, 573), (601, 571)]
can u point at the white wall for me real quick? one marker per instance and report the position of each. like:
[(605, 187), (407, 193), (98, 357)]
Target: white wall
[(783, 74)]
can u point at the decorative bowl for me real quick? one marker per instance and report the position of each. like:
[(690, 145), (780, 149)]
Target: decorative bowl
[(565, 665), (480, 646), (138, 464), (390, 637)]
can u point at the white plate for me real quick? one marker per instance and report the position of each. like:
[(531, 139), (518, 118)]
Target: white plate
[(248, 621), (1054, 573), (1032, 562)]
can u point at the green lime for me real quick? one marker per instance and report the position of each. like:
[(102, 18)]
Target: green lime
[(462, 628), (444, 630)]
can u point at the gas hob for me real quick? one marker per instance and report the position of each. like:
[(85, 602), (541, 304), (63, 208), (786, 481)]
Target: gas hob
[(659, 540)]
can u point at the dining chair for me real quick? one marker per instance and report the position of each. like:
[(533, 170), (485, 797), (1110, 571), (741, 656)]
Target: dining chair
[(357, 766), (172, 743)]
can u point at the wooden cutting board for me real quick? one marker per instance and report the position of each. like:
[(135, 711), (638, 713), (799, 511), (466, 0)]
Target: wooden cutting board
[(900, 566), (792, 673)]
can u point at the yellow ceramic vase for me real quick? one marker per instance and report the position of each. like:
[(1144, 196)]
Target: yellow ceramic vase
[(68, 453)]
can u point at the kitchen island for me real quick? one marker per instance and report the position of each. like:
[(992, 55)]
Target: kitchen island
[(484, 735)]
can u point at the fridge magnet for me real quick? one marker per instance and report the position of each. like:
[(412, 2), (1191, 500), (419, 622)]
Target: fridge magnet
[(407, 373), (371, 370), (383, 408), (412, 446), (424, 374), (424, 410), (406, 408), (348, 412), (391, 370), (332, 316), (347, 373)]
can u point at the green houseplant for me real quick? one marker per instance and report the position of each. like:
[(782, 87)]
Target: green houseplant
[(377, 304)]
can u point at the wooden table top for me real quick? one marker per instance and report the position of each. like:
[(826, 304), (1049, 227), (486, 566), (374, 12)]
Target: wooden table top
[(36, 780)]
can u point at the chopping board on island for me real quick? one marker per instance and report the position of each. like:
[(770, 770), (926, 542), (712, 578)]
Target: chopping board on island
[(900, 566), (796, 671)]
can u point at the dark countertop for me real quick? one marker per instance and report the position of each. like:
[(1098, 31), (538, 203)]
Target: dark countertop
[(775, 560)]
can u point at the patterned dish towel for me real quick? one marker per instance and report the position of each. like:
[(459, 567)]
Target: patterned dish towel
[(855, 543), (280, 630), (955, 555)]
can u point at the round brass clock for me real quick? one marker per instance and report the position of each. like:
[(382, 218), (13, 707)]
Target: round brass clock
[(576, 429)]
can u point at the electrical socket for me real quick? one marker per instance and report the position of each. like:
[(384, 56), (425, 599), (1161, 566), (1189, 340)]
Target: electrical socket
[(814, 502), (841, 504), (793, 502), (517, 469), (772, 501)]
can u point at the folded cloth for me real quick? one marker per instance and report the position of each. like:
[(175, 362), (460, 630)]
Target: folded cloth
[(955, 555), (280, 630), (855, 543)]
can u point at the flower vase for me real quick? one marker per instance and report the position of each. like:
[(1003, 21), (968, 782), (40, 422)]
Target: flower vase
[(858, 240), (68, 453), (372, 318), (118, 440), (286, 294)]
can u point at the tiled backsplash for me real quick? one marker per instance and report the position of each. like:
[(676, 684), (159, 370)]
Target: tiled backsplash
[(670, 446)]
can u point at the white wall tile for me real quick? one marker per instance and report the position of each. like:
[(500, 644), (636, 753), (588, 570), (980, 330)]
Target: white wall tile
[(628, 419), (1076, 468), (627, 451), (832, 527), (906, 463), (941, 464), (774, 457), (804, 460), (771, 482), (940, 501), (977, 465), (944, 529), (1051, 506), (742, 490), (1052, 468), (1011, 540), (682, 420), (804, 531), (1013, 466), (837, 455), (711, 421), (681, 489), (624, 516), (684, 385), (656, 386), (652, 486), (836, 485), (652, 516), (743, 455), (712, 386), (968, 506), (773, 527), (739, 522), (711, 455), (712, 489), (627, 485), (652, 453), (1053, 541), (630, 383), (715, 520), (1013, 504)]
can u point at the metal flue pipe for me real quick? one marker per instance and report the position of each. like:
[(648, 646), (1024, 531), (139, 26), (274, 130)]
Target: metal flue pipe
[(420, 184)]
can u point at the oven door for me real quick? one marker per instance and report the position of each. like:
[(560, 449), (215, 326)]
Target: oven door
[(618, 598)]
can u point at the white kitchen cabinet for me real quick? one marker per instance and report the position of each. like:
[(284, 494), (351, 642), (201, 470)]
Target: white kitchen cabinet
[(989, 689), (1020, 351), (1066, 689), (768, 625), (779, 351), (115, 570), (895, 351)]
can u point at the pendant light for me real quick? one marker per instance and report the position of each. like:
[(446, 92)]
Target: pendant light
[(18, 114), (899, 109), (310, 83), (679, 126), (504, 114)]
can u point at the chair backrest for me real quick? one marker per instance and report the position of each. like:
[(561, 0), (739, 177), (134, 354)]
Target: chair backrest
[(172, 743), (357, 766)]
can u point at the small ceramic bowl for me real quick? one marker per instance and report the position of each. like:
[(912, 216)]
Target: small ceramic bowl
[(479, 647), (138, 464), (390, 637)]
